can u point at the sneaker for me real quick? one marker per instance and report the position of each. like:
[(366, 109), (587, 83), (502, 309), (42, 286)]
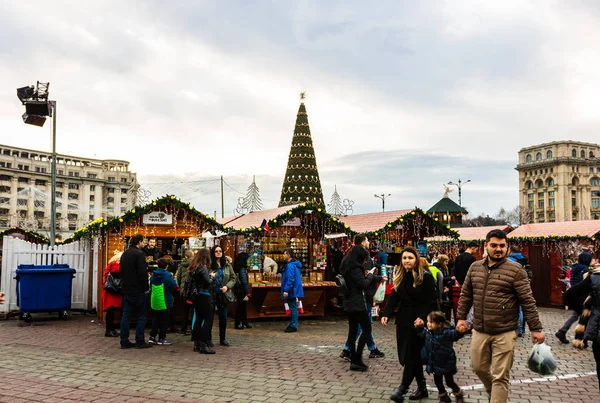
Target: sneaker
[(290, 329), (152, 340), (164, 342), (345, 355), (128, 345), (143, 345), (376, 354)]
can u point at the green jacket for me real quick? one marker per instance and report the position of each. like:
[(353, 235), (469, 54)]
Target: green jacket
[(228, 278), (182, 271)]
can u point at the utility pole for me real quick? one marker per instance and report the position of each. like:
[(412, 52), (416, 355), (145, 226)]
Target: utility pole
[(460, 184), (222, 200), (382, 197), (53, 192)]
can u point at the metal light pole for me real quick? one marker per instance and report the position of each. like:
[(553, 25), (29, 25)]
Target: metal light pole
[(460, 184), (53, 192), (382, 197), (37, 108)]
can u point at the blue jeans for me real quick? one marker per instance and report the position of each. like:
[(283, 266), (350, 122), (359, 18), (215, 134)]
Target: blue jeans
[(140, 305), (521, 322), (572, 319), (370, 341), (294, 310)]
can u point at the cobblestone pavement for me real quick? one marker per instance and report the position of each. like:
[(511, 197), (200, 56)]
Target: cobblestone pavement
[(71, 361)]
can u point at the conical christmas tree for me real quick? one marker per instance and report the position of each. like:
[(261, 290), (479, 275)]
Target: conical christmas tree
[(301, 183), (335, 207)]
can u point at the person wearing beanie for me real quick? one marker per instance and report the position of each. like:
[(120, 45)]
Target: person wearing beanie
[(578, 270)]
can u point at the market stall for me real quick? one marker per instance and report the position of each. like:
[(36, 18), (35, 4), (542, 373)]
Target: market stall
[(267, 233), (551, 248), (176, 225)]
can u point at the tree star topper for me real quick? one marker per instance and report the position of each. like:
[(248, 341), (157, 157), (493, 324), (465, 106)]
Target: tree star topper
[(303, 95)]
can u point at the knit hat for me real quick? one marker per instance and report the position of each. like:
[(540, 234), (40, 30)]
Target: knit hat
[(585, 258)]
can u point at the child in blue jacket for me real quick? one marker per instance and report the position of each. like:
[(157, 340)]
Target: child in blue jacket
[(162, 286), (438, 355)]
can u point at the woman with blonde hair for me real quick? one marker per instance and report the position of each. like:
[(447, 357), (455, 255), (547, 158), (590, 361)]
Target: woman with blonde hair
[(111, 301), (413, 293), (202, 297)]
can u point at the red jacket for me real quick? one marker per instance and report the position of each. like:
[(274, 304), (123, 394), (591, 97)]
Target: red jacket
[(109, 299)]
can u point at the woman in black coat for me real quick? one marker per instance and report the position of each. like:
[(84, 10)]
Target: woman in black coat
[(242, 291), (412, 294), (353, 270)]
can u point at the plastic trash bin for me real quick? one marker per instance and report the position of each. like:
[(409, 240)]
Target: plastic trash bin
[(44, 289)]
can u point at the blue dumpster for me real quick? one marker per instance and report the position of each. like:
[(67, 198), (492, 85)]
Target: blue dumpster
[(43, 288)]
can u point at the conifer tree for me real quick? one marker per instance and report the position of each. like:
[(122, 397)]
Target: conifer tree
[(252, 200), (335, 207), (301, 183)]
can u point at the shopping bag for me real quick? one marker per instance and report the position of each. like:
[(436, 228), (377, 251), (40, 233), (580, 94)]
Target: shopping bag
[(541, 360), (287, 309), (299, 305), (379, 294), (470, 316)]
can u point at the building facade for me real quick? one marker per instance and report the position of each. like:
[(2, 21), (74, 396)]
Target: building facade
[(560, 181), (86, 189)]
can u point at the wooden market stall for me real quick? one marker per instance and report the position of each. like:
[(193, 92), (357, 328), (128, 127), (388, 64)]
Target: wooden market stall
[(167, 219), (551, 248), (267, 233)]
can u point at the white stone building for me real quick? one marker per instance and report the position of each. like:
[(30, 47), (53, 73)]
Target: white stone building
[(85, 190)]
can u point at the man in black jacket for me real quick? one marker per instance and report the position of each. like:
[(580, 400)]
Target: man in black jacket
[(134, 283), (464, 261)]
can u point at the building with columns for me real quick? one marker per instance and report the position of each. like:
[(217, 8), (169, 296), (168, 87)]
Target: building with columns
[(560, 181), (86, 189)]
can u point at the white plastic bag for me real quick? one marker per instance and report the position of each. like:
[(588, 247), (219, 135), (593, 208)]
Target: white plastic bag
[(541, 360), (379, 294), (470, 316)]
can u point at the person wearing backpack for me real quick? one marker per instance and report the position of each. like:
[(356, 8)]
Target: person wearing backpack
[(517, 256), (162, 287)]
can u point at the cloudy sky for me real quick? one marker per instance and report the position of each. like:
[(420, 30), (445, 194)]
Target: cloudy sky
[(403, 96)]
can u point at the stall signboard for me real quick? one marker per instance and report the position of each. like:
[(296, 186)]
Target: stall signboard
[(158, 218), (197, 243), (422, 248)]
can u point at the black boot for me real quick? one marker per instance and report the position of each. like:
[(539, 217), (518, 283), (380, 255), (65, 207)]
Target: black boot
[(399, 393), (562, 336), (204, 349), (420, 393), (356, 363), (196, 346)]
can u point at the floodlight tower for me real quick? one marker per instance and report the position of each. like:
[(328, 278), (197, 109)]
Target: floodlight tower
[(37, 108)]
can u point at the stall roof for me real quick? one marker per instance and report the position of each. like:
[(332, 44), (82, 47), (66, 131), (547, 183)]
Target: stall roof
[(566, 228), (255, 218), (473, 233), (226, 220), (372, 221)]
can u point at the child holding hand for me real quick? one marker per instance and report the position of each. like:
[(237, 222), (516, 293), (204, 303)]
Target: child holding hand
[(438, 354)]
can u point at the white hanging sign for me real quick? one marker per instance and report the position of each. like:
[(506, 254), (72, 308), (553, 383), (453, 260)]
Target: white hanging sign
[(157, 218)]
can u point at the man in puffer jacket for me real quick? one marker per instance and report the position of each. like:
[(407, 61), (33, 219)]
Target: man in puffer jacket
[(495, 287), (578, 270), (291, 286)]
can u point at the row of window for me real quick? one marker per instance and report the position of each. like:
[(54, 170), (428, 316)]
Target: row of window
[(550, 182), (538, 156), (74, 174)]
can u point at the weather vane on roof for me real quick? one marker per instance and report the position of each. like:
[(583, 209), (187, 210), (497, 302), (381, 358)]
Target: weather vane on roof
[(303, 95)]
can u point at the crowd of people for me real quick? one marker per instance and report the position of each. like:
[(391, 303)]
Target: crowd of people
[(207, 281), (495, 301)]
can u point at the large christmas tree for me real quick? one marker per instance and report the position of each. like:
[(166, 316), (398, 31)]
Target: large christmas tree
[(301, 183)]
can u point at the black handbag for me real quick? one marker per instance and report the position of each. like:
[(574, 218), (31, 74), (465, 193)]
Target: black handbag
[(229, 297), (113, 284)]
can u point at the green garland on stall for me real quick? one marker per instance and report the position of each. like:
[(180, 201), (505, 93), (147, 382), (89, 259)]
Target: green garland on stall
[(32, 235), (334, 223), (410, 216), (100, 224)]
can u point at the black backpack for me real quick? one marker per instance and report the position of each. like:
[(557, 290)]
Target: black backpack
[(341, 285)]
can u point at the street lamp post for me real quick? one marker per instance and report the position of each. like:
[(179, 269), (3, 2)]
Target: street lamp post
[(459, 185), (37, 108), (382, 197)]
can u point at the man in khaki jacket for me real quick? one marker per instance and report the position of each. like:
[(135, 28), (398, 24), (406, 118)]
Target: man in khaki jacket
[(495, 287)]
